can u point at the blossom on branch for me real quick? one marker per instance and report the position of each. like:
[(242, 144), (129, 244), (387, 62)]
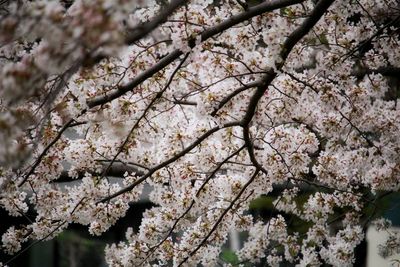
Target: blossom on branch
[(212, 105)]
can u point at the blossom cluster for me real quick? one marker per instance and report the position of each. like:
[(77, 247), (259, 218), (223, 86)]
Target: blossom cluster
[(216, 105)]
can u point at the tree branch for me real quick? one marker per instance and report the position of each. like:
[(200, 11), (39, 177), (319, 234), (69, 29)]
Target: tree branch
[(209, 177), (44, 152), (169, 161), (217, 223), (233, 94), (145, 28), (158, 96), (116, 170), (319, 10), (248, 14)]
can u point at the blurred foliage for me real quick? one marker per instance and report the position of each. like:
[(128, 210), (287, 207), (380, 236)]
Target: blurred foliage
[(79, 251), (229, 256), (262, 202)]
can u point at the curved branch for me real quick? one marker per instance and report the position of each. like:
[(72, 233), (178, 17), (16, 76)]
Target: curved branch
[(169, 161), (158, 96), (44, 152), (116, 170), (319, 10), (233, 94), (145, 28), (241, 17), (209, 177), (217, 223)]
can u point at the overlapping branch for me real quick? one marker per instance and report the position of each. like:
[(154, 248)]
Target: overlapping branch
[(171, 57), (221, 217), (143, 29), (174, 158), (208, 33)]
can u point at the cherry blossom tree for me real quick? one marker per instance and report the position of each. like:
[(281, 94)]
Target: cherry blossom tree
[(211, 104)]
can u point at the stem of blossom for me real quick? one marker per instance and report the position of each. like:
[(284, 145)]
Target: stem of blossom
[(217, 223), (34, 243), (158, 96), (290, 42), (143, 29), (233, 94), (319, 10), (165, 61), (44, 152), (212, 174), (169, 161), (116, 170)]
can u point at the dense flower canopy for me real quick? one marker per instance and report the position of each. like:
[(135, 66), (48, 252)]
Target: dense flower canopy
[(211, 104)]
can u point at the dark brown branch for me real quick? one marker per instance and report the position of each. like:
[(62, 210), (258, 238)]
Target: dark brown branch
[(251, 12), (209, 177), (233, 94), (360, 132), (184, 103), (217, 223), (143, 29), (361, 45), (250, 149), (158, 96), (251, 109), (169, 161), (123, 89), (385, 71), (44, 152), (116, 170), (319, 10)]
